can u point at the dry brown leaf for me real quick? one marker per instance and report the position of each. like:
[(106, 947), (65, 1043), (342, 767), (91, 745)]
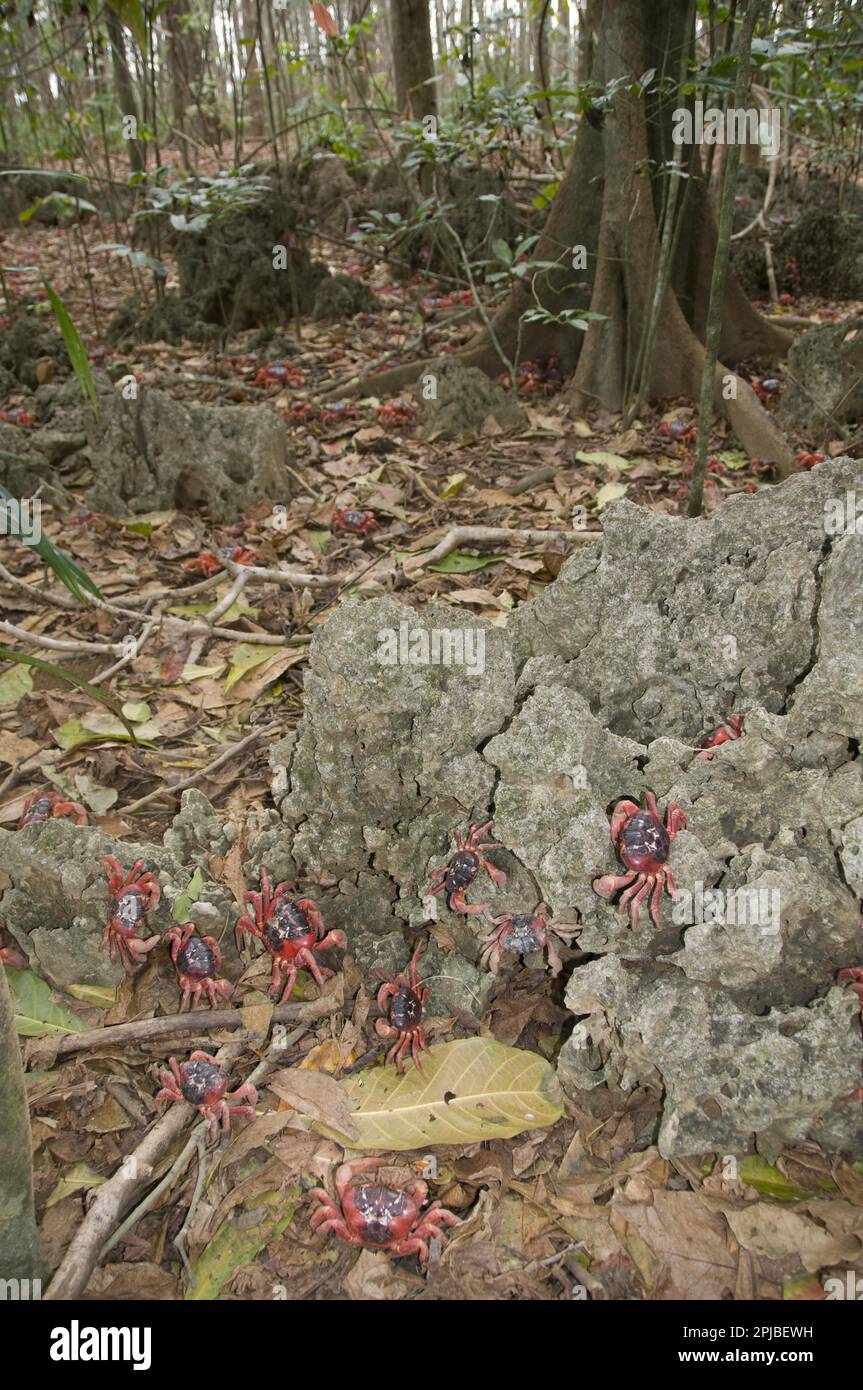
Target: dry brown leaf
[(13, 748), (316, 1096), (375, 1278), (689, 1255), (777, 1232)]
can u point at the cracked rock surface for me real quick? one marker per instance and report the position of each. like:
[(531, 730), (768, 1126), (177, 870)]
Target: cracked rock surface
[(418, 722), (54, 895), (598, 690), (154, 453)]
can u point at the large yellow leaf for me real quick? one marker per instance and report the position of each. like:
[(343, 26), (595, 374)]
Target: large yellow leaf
[(468, 1091)]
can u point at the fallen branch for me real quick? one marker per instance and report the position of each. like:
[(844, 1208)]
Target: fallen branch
[(194, 777), (475, 535), (53, 644), (224, 605), (113, 1198), (285, 577), (202, 1021)]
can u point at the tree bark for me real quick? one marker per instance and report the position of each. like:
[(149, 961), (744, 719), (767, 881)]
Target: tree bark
[(607, 203), (413, 59), (20, 1251), (123, 85)]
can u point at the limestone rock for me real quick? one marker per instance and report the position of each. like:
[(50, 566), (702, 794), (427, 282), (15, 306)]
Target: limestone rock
[(464, 399), (825, 380), (154, 453)]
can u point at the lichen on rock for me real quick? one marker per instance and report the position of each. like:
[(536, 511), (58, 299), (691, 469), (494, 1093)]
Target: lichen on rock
[(455, 401), (599, 690), (152, 453)]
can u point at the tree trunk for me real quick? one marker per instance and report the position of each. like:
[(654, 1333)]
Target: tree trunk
[(607, 204), (123, 85), (413, 59), (19, 1239)]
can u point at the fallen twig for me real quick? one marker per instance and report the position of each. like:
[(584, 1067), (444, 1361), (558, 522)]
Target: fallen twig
[(287, 578), (112, 1200), (201, 1021), (194, 777), (53, 644), (475, 535)]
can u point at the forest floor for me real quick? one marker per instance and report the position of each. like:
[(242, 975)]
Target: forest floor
[(191, 693)]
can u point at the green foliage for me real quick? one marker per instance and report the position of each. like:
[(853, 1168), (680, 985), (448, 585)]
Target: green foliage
[(191, 204), (74, 347), (131, 16), (60, 672), (67, 570)]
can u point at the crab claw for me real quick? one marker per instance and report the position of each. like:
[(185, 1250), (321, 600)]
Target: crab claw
[(623, 812), (608, 884)]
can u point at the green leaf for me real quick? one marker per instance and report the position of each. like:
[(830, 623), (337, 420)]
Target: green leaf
[(609, 492), (78, 1176), (457, 563), (190, 894), (756, 1172), (14, 684), (111, 724), (35, 1015), (131, 16), (74, 347), (67, 570), (245, 659), (98, 995), (138, 712), (734, 459), (63, 205), (468, 1091), (23, 659), (43, 174), (603, 457), (237, 1243), (544, 197)]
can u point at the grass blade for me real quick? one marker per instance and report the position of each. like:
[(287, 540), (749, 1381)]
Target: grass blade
[(75, 348)]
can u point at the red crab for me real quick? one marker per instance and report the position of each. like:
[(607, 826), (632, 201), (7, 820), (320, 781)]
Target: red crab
[(520, 934), (541, 375), (209, 564), (11, 954), (196, 960), (680, 430), (357, 522), (808, 460), (43, 806), (279, 374), (402, 999), (200, 1081), (289, 928), (457, 876), (853, 977), (723, 733), (767, 390), (130, 898), (380, 1218), (337, 413), (644, 844), (301, 411), (23, 418), (396, 415)]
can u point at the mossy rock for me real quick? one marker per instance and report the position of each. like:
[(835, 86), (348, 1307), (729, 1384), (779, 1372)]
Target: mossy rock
[(454, 401)]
